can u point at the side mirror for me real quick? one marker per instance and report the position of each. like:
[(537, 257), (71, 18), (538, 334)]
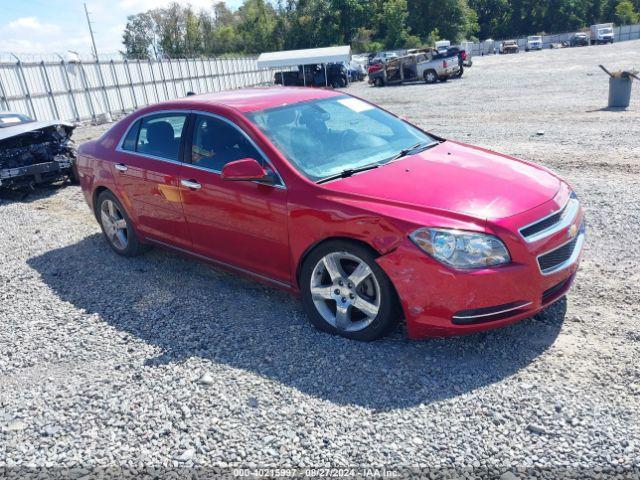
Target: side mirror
[(244, 170)]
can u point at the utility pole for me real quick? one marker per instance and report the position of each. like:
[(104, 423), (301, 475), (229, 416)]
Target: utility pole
[(93, 40)]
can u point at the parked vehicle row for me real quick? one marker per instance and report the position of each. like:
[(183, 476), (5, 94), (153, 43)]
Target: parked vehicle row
[(316, 75), (597, 35)]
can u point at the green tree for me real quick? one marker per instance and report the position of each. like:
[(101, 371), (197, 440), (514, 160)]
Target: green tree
[(626, 13), (138, 36), (257, 27), (492, 17), (454, 19), (394, 23), (193, 40)]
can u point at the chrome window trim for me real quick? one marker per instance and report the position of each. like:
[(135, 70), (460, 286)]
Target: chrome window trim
[(569, 261), (517, 307), (572, 206), (280, 185)]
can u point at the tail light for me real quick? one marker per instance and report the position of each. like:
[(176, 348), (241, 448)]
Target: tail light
[(464, 55), (444, 64), (374, 68)]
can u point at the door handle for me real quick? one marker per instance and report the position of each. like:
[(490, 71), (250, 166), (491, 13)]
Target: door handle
[(121, 167), (192, 184)]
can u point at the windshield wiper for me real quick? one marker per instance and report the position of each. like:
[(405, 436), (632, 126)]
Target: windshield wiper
[(349, 172), (418, 147)]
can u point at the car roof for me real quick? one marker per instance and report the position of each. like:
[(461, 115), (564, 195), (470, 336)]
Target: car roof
[(253, 99)]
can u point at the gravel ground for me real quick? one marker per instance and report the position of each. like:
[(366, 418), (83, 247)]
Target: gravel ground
[(161, 361)]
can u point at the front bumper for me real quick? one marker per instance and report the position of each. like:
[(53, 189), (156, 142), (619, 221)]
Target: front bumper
[(441, 301), (36, 173)]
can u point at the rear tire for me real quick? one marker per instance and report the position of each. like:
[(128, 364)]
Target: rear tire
[(459, 75), (117, 226), (345, 292)]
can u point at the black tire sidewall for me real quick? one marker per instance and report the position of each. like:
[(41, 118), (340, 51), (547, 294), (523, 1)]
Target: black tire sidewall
[(134, 247), (388, 312)]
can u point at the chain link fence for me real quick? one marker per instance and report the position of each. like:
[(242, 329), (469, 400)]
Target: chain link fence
[(92, 90)]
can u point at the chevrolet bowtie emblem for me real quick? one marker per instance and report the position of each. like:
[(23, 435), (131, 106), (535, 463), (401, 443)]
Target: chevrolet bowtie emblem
[(573, 230)]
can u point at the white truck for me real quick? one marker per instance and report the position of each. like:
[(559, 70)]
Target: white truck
[(442, 46), (602, 33), (534, 42)]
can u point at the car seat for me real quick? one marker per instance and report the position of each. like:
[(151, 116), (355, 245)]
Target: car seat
[(161, 140)]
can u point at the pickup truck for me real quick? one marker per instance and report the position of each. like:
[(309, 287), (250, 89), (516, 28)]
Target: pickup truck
[(427, 66)]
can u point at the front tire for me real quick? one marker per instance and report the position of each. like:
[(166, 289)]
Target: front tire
[(117, 226), (345, 292)]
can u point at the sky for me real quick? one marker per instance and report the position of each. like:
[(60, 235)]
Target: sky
[(57, 26)]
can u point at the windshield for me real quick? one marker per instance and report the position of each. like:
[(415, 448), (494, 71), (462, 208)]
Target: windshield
[(322, 138), (11, 119), (605, 30)]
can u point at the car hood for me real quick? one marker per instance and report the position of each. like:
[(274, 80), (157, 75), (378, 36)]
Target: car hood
[(20, 129), (456, 178)]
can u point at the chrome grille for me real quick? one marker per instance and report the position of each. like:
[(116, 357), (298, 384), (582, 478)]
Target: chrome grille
[(551, 224), (541, 225), (561, 257)]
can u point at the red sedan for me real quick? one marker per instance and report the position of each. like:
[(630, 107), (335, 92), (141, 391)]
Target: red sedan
[(368, 217)]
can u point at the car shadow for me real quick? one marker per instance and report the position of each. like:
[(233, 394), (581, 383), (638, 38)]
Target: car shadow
[(29, 194), (188, 309)]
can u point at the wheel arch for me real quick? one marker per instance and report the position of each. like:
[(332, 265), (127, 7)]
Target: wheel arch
[(128, 209), (94, 198), (376, 253)]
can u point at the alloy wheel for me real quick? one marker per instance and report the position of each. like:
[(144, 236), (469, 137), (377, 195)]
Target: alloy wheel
[(114, 224), (345, 291)]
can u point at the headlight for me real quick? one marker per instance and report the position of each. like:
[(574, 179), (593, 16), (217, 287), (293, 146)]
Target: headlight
[(461, 249)]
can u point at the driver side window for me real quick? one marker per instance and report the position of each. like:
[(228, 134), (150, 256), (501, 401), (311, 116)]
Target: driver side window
[(216, 143)]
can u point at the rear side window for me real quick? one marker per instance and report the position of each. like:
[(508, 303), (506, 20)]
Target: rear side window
[(160, 135), (130, 140)]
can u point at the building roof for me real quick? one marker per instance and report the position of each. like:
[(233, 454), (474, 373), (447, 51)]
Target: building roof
[(309, 56)]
